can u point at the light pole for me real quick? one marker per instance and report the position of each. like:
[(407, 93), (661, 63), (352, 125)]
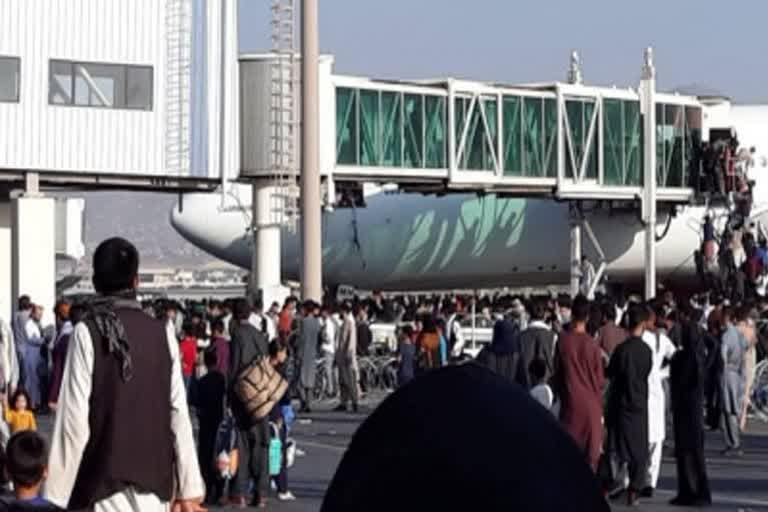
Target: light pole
[(311, 225), (649, 182)]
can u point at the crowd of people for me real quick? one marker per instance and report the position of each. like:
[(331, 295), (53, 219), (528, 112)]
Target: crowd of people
[(617, 373)]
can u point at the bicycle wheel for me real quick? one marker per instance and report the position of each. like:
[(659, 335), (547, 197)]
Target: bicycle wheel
[(388, 375), (367, 375), (321, 384)]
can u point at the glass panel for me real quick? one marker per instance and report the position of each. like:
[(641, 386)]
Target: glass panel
[(138, 89), (692, 144), (436, 143), (414, 122), (674, 116), (575, 112), (670, 133), (99, 85), (513, 141), (475, 145), (369, 127), (532, 136), (633, 143), (491, 143), (391, 129), (346, 126), (60, 83), (661, 169), (9, 79), (550, 137), (613, 127), (592, 163), (459, 108)]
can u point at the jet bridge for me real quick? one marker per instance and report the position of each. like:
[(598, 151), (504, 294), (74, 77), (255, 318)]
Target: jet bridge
[(564, 140)]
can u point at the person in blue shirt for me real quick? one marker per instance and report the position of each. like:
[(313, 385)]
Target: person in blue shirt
[(27, 467)]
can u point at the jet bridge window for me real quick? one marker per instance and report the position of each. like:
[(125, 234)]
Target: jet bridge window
[(86, 84), (9, 79)]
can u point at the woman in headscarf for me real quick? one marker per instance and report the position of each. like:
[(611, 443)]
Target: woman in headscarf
[(462, 438), (504, 355), (687, 381)]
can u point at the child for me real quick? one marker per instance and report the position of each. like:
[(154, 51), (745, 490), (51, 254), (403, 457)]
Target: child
[(17, 415), (541, 390), (210, 412), (278, 353), (27, 467), (188, 352)]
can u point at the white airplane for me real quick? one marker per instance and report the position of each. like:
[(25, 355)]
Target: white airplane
[(403, 241)]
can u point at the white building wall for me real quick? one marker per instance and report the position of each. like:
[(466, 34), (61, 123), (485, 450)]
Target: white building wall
[(39, 136), (80, 138), (213, 37)]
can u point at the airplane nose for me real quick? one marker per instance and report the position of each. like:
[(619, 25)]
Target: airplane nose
[(200, 219), (186, 217)]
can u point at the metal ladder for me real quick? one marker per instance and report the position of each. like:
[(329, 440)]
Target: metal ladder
[(284, 119), (178, 36)]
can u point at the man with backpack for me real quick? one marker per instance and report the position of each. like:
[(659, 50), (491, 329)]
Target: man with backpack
[(248, 344)]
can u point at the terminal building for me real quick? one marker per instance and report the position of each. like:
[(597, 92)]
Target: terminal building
[(99, 94)]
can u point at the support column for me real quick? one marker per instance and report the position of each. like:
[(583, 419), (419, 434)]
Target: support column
[(575, 225), (649, 172), (34, 249), (266, 268), (6, 294), (311, 221)]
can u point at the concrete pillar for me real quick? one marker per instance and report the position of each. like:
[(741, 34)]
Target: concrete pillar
[(33, 250), (6, 294), (266, 268)]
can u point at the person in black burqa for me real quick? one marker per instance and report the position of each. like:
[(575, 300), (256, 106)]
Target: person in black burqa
[(504, 355), (687, 378), (491, 447), (247, 344), (626, 411)]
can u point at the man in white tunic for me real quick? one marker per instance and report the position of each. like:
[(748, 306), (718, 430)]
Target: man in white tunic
[(118, 443), (662, 350)]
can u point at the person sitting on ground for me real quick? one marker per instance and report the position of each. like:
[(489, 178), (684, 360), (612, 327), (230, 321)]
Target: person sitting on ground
[(541, 390), (17, 413), (26, 466)]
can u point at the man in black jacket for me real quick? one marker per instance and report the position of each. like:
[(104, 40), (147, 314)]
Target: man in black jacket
[(247, 345)]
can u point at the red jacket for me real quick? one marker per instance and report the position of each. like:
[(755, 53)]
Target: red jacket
[(188, 349)]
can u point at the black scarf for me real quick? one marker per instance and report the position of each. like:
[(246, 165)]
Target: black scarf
[(101, 311)]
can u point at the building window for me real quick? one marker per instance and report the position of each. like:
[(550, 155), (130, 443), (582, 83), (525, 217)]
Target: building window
[(89, 84), (9, 78)]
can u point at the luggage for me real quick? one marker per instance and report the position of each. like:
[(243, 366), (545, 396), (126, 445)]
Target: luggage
[(259, 387)]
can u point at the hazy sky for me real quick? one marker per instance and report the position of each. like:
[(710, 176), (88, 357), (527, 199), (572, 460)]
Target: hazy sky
[(530, 40)]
